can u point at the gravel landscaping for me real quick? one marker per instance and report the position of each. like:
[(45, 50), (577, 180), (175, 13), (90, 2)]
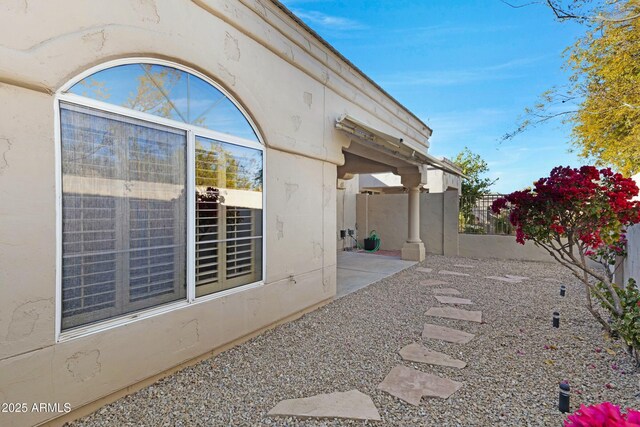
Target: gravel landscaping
[(514, 363)]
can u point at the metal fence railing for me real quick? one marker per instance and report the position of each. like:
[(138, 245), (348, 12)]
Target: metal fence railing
[(476, 216)]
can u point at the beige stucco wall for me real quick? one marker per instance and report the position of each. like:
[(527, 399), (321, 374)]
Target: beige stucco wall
[(500, 247), (347, 190), (260, 56), (388, 215)]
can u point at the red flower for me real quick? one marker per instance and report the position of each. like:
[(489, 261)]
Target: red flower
[(498, 205), (602, 415), (590, 204)]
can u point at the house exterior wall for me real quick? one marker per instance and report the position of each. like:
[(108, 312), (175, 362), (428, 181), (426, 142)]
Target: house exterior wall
[(346, 210), (438, 181), (631, 263), (262, 57), (388, 215)]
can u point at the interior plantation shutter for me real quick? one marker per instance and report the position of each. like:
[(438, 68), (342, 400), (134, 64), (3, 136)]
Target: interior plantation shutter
[(123, 214)]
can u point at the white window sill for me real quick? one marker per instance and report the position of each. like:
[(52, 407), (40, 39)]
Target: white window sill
[(105, 325)]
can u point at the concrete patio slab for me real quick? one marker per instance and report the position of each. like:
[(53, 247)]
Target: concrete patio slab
[(453, 300), (433, 282), (452, 273), (443, 333), (449, 291), (351, 404), (419, 353), (455, 313), (424, 270), (410, 385), (358, 270)]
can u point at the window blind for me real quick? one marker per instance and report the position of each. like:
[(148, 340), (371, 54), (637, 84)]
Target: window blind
[(123, 214)]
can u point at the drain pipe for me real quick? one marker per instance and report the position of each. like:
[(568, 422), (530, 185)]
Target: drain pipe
[(366, 213)]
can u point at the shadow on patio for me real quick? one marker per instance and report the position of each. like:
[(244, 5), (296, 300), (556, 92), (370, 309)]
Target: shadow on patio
[(357, 270)]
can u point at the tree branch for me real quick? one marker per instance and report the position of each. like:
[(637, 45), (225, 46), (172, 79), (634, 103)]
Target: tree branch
[(518, 6)]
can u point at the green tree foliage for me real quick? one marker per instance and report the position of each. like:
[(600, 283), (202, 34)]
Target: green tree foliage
[(602, 100), (474, 187), (220, 169), (474, 167)]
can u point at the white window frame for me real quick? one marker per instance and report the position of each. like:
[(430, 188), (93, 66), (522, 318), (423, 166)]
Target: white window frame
[(63, 96)]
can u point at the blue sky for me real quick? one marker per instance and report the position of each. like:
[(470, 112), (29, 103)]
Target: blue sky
[(466, 68)]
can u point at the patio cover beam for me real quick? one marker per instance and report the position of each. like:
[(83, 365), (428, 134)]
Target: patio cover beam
[(392, 145)]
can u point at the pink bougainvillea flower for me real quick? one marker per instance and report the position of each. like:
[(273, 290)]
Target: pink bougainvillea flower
[(633, 417), (602, 415)]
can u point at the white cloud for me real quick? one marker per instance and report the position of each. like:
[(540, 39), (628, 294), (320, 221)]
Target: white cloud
[(500, 71), (464, 125), (331, 22)]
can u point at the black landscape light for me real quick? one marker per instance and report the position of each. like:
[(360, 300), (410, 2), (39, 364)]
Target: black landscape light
[(563, 290), (556, 319), (565, 392)]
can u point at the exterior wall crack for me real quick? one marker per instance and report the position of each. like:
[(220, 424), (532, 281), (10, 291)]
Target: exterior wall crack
[(5, 147), (84, 365), (24, 318)]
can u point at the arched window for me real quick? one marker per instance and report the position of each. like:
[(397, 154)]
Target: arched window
[(161, 192)]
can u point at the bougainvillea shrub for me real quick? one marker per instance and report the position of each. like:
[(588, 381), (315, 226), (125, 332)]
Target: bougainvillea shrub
[(577, 214), (603, 414)]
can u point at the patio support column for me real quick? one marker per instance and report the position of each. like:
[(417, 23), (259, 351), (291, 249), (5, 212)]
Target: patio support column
[(414, 215), (413, 249)]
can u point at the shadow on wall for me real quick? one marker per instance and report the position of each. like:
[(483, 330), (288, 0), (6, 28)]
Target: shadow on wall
[(387, 214)]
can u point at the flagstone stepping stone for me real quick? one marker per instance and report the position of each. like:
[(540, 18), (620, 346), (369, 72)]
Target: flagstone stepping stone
[(511, 276), (443, 333), (433, 282), (449, 291), (452, 300), (504, 279), (455, 313), (452, 273), (419, 353), (424, 270), (351, 404), (464, 266), (410, 385)]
